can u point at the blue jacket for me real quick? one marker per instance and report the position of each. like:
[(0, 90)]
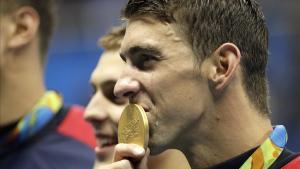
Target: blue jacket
[(66, 142)]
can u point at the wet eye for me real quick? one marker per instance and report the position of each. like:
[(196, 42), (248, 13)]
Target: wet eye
[(108, 91)]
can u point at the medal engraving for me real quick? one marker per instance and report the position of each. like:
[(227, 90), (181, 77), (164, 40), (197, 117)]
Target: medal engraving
[(130, 131), (133, 126)]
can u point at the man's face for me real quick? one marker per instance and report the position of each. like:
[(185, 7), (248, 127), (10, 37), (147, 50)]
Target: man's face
[(160, 75), (104, 109)]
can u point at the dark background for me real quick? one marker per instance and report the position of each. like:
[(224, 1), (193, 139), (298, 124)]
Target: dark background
[(74, 53)]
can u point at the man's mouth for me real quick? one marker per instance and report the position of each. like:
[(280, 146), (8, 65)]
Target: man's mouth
[(105, 140), (105, 146), (146, 109)]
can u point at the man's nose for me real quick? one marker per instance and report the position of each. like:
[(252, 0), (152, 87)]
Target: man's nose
[(94, 111), (126, 87)]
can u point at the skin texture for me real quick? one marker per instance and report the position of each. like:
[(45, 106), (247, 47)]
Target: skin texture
[(185, 100), (21, 71)]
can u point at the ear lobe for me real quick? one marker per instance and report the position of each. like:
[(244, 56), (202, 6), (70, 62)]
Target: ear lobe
[(226, 60), (25, 27)]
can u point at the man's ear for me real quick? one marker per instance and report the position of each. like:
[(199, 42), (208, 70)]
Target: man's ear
[(25, 25), (225, 61)]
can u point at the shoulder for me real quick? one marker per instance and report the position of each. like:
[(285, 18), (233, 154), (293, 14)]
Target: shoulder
[(287, 160), (66, 142), (74, 126), (294, 164)]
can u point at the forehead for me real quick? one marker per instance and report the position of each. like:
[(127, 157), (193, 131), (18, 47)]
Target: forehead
[(110, 60), (144, 31), (109, 67)]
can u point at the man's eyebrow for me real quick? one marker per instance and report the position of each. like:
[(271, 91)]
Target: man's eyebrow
[(132, 51)]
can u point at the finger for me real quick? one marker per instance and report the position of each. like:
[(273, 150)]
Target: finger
[(144, 162), (123, 151), (123, 164)]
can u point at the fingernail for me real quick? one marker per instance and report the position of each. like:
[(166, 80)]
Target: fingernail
[(139, 151)]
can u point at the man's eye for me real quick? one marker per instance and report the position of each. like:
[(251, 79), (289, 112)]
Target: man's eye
[(148, 57), (108, 91), (145, 61)]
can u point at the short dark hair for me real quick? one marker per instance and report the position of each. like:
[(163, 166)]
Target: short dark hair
[(113, 39), (46, 11), (206, 24)]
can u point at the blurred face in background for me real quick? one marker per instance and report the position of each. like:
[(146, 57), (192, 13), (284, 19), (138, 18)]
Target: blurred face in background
[(104, 109)]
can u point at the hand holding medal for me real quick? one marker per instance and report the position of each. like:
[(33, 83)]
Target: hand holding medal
[(133, 133)]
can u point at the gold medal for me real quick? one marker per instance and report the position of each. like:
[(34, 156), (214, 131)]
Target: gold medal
[(133, 126)]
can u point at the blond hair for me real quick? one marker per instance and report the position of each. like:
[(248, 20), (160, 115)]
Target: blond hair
[(113, 39)]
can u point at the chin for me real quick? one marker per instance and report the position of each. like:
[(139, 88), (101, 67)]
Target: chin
[(157, 146)]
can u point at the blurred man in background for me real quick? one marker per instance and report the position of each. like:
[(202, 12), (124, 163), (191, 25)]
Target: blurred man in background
[(36, 130), (104, 109)]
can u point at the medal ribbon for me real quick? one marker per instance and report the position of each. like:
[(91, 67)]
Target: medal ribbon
[(32, 122), (269, 151)]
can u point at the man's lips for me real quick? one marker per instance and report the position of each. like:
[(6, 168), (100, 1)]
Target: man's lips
[(146, 109), (105, 145), (148, 113), (104, 140)]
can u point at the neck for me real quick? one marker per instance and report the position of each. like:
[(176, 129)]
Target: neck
[(21, 86), (230, 129)]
